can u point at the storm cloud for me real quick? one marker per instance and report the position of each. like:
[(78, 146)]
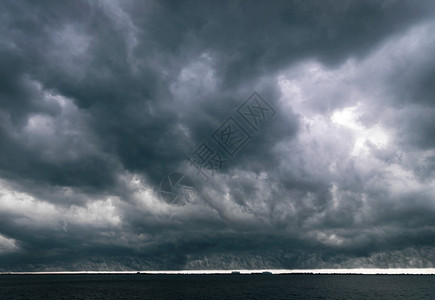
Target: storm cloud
[(100, 100)]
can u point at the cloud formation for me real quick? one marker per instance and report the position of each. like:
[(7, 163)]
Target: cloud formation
[(100, 100)]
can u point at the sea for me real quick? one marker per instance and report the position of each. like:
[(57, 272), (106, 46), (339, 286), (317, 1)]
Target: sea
[(216, 286)]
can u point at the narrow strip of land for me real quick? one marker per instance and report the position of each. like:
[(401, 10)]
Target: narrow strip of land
[(259, 271)]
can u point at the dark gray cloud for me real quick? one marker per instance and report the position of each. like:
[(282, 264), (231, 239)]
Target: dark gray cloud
[(99, 100)]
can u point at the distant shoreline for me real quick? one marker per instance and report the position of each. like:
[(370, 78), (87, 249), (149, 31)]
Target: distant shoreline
[(263, 272)]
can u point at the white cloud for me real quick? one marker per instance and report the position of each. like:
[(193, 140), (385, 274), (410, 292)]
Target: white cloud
[(7, 245), (30, 212)]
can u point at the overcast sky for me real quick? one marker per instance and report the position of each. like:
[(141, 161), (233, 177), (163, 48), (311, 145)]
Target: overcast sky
[(100, 100)]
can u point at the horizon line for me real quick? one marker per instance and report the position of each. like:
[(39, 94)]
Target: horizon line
[(362, 271)]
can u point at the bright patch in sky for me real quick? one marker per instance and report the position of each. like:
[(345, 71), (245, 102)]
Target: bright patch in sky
[(348, 117)]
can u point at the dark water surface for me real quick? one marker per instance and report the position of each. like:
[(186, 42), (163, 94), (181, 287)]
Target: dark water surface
[(295, 286)]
